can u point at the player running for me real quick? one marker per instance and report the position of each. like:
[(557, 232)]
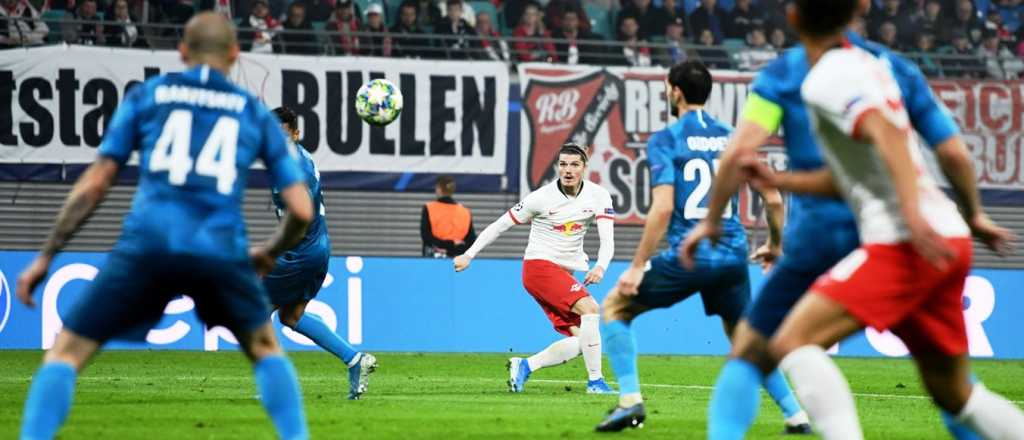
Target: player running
[(908, 275), (299, 273), (560, 212), (819, 230), (682, 158), (196, 134)]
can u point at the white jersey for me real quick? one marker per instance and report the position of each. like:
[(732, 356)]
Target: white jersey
[(840, 89), (559, 222)]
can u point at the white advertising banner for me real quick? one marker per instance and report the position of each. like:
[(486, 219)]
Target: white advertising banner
[(55, 102)]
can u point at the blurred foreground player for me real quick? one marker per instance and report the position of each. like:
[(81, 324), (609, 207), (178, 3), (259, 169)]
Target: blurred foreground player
[(197, 135), (560, 214), (299, 273), (820, 230), (682, 159), (908, 274)]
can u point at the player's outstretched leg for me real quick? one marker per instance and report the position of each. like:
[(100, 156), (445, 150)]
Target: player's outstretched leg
[(558, 353), (621, 347), (360, 365), (947, 380), (53, 387), (590, 344), (276, 382), (958, 430)]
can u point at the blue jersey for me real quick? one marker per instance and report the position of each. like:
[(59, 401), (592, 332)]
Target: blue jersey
[(316, 233), (685, 155), (197, 135), (780, 82)]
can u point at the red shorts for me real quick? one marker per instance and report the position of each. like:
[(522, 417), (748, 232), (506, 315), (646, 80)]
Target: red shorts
[(891, 287), (556, 291)]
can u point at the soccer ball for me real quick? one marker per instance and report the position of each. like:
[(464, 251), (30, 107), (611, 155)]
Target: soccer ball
[(378, 102)]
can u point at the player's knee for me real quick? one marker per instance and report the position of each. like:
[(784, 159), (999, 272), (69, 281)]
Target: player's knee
[(288, 319), (614, 308), (779, 347), (262, 343), (586, 306), (751, 347)]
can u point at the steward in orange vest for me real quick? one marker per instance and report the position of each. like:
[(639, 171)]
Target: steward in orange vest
[(445, 225)]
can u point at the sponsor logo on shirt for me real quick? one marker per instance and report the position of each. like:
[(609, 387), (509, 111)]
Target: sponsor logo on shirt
[(569, 228)]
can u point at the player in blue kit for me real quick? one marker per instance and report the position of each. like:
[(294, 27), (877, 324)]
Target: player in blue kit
[(196, 135), (820, 231), (683, 158), (300, 272)]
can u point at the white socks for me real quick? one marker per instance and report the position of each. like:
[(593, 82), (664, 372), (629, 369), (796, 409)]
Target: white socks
[(824, 393), (562, 351), (590, 344), (992, 416)]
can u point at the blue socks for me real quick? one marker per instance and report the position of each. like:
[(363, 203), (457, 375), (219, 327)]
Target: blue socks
[(314, 328), (735, 400), (48, 402), (279, 390), (620, 347), (779, 389)]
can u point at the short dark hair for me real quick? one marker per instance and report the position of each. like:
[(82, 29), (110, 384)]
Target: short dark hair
[(693, 79), (453, 2), (825, 17), (574, 149), (447, 184), (287, 117)]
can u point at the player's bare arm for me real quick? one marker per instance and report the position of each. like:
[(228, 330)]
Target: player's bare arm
[(958, 168), (891, 143), (774, 213), (662, 197), (817, 182), (88, 192), (744, 142), (289, 232)]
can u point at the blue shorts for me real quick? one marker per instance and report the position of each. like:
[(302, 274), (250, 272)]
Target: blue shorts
[(810, 252), (130, 293), (298, 276), (724, 289)]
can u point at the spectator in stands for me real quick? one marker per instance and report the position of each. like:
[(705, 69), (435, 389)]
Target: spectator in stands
[(966, 21), (994, 23), (317, 10), (713, 56), (888, 35), (930, 22), (572, 41), (408, 39), (960, 60), (555, 12), (454, 31), (492, 45), (90, 32), (1010, 11), (222, 7), (708, 16), (298, 37), (924, 52), (773, 13), (999, 61), (634, 49), (256, 33), (651, 21), (468, 13), (676, 51), (779, 40), (530, 26), (446, 226), (743, 18), (378, 44), (758, 52), (428, 14), (20, 25), (890, 12), (342, 23), (120, 30)]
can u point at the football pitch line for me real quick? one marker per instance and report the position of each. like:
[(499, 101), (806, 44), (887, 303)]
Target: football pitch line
[(335, 378)]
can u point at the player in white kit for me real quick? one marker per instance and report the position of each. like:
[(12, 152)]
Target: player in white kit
[(559, 214), (908, 275)]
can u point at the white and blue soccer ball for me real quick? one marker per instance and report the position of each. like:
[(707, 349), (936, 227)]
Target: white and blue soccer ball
[(379, 102)]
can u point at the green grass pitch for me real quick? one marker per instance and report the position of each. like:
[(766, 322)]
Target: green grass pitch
[(156, 395)]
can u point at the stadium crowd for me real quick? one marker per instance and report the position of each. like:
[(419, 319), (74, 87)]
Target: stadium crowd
[(957, 38)]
